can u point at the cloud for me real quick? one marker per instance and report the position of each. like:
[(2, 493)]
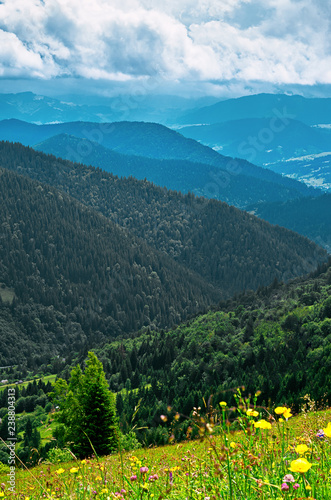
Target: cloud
[(279, 41)]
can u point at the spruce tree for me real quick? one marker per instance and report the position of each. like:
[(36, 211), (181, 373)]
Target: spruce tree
[(88, 410)]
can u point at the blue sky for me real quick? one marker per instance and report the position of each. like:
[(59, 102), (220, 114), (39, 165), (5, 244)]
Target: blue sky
[(206, 46)]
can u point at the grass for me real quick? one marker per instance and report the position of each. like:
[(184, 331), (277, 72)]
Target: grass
[(249, 463), (47, 378)]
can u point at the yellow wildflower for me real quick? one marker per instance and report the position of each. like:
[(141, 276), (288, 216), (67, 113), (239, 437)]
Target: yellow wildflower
[(105, 490), (223, 403), (60, 471), (73, 470), (327, 430), (98, 478), (301, 449), (2, 494), (280, 410), (83, 462), (287, 413), (233, 444), (300, 465), (262, 424), (252, 413)]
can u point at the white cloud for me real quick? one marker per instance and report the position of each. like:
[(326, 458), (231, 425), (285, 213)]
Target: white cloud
[(279, 41)]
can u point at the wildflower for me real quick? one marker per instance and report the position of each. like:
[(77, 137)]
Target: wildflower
[(320, 434), (163, 418), (296, 486), (280, 410), (123, 491), (262, 424), (98, 478), (153, 478), (300, 465), (327, 430), (143, 470), (287, 414), (133, 478), (233, 444), (73, 470), (223, 404), (284, 487), (252, 413), (83, 462), (301, 449), (2, 494), (60, 471), (104, 490), (288, 478)]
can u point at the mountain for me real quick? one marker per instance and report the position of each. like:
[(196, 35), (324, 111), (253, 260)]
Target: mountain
[(274, 343), (179, 175), (35, 108), (228, 248), (308, 216), (280, 107), (41, 109), (77, 278), (256, 140), (313, 169), (156, 141)]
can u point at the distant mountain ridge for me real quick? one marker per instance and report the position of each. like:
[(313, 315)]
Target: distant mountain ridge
[(255, 140), (311, 111), (240, 182), (235, 188)]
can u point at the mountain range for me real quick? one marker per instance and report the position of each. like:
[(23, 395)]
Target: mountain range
[(98, 255), (186, 165)]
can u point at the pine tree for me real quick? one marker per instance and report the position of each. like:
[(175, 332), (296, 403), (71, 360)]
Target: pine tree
[(88, 410)]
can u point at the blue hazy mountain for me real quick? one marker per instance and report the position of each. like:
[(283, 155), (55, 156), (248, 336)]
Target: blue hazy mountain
[(35, 108), (262, 140), (312, 111), (180, 175)]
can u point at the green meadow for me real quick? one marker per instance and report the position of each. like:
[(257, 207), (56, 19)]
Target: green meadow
[(241, 453)]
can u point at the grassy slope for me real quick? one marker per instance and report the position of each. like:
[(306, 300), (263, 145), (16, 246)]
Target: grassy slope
[(254, 464)]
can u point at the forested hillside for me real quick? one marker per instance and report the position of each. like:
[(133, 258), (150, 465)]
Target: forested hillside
[(77, 278), (154, 141), (276, 341), (235, 182), (307, 216), (229, 248)]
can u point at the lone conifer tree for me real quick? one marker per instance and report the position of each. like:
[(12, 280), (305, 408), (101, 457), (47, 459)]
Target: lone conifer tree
[(88, 410)]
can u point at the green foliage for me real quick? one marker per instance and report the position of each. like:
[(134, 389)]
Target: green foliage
[(87, 409), (269, 341), (129, 441), (57, 455)]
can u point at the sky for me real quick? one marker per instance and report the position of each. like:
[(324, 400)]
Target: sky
[(180, 46)]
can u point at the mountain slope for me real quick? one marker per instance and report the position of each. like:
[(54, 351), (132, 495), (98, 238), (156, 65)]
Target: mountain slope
[(276, 341), (150, 140), (308, 216), (309, 111), (78, 278), (314, 170), (231, 249), (256, 140), (180, 175)]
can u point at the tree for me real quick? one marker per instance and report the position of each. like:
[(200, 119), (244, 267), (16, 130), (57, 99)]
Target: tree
[(88, 410)]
